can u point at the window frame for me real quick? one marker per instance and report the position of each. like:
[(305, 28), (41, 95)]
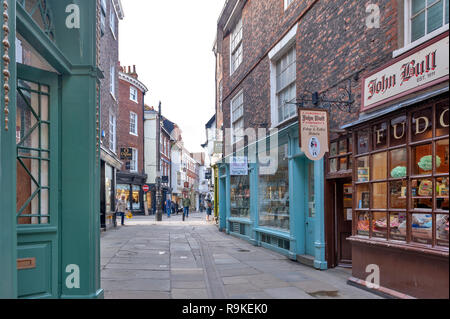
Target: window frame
[(236, 47), (239, 119), (112, 81), (113, 133), (112, 20), (133, 116), (134, 90), (134, 163), (288, 86)]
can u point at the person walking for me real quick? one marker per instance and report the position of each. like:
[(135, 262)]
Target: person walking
[(209, 208), (186, 205), (121, 208), (168, 207)]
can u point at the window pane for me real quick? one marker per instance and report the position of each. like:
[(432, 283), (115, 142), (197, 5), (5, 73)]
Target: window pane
[(343, 164), (379, 162), (422, 159), (379, 225), (343, 147), (333, 165), (363, 224), (398, 226), (446, 11), (333, 149), (421, 194), (398, 163), (363, 169), (442, 119), (422, 225), (418, 27), (435, 17), (442, 193), (380, 136), (240, 196), (363, 141), (442, 230), (379, 196), (421, 127), (398, 131), (417, 5), (442, 166), (363, 196), (398, 194)]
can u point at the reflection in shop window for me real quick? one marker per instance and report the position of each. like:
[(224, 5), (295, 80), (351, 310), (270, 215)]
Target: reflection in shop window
[(240, 196)]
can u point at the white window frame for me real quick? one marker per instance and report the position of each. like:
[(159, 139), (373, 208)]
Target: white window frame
[(280, 49), (112, 81), (134, 163), (408, 45), (112, 133), (133, 117), (236, 46), (133, 94), (287, 3), (112, 20), (233, 120)]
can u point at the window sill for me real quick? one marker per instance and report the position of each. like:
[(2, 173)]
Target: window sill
[(134, 134), (112, 95), (420, 41), (112, 32)]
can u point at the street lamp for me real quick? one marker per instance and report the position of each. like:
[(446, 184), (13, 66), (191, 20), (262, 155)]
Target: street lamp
[(159, 212)]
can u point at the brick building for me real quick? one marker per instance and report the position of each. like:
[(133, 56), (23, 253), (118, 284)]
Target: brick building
[(111, 14), (272, 54), (130, 138)]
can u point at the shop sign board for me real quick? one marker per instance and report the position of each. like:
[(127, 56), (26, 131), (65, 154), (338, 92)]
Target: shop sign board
[(425, 66), (126, 154), (218, 147), (239, 166), (313, 132)]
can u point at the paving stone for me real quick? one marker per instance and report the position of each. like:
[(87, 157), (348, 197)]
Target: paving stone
[(189, 294), (237, 289), (136, 284), (134, 274), (188, 284), (287, 293), (314, 286), (119, 294)]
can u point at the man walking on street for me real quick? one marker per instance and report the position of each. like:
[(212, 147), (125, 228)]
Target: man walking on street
[(186, 205), (121, 208)]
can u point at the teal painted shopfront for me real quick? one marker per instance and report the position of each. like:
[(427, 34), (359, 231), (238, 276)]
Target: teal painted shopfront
[(49, 138), (279, 204)]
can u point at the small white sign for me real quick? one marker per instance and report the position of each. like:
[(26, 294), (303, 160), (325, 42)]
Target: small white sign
[(239, 166)]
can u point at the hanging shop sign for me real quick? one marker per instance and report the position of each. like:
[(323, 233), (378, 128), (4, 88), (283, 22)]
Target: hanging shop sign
[(208, 174), (126, 154), (425, 66), (313, 132), (239, 166)]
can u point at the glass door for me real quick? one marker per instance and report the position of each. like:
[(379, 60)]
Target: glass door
[(37, 179)]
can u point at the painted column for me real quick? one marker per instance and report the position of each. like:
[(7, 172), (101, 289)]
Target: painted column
[(8, 241), (254, 207), (80, 160), (222, 198), (319, 231)]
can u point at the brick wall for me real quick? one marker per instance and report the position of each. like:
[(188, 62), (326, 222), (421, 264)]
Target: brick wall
[(124, 138), (333, 45)]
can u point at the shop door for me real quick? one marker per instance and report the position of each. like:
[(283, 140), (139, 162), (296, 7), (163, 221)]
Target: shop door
[(343, 211), (310, 215), (37, 183)]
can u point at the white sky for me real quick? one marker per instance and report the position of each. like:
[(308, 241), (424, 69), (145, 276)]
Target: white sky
[(171, 44)]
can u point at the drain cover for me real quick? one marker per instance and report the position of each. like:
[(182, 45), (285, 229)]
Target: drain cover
[(243, 250)]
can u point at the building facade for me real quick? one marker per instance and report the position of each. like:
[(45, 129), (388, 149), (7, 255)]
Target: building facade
[(50, 150), (111, 14), (274, 60), (130, 139)]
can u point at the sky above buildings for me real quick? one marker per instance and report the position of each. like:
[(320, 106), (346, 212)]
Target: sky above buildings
[(171, 44)]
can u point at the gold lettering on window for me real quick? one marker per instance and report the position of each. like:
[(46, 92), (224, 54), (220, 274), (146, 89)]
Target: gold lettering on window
[(379, 136), (427, 122), (441, 119), (395, 131)]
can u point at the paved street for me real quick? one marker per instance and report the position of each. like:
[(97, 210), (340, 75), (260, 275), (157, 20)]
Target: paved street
[(193, 260)]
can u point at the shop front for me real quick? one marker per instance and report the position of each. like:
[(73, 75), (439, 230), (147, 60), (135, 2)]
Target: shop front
[(275, 201), (401, 177), (109, 167), (130, 186), (49, 149)]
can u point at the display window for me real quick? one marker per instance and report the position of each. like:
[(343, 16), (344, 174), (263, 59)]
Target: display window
[(124, 190), (274, 194), (401, 177), (240, 196), (135, 200), (109, 188)]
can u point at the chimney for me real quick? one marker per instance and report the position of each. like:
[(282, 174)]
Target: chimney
[(134, 74)]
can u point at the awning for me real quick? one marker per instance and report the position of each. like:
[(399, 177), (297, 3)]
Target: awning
[(417, 99)]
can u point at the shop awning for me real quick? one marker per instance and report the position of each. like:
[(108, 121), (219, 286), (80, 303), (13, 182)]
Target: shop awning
[(417, 99)]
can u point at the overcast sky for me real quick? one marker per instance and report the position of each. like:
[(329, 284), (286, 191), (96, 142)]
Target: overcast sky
[(171, 44)]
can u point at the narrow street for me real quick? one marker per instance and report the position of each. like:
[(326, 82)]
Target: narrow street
[(193, 260)]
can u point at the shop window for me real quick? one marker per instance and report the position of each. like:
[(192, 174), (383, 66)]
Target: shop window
[(240, 196), (109, 188), (380, 136), (124, 190), (274, 195), (135, 199), (41, 12), (401, 191)]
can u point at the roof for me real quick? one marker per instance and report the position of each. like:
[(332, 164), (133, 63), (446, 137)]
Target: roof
[(210, 122)]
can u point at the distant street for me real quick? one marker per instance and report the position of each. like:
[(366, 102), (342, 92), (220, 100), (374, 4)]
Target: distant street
[(193, 260)]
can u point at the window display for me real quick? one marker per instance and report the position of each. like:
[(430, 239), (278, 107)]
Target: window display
[(124, 190), (400, 198), (240, 196), (274, 194), (135, 203), (340, 158), (109, 188)]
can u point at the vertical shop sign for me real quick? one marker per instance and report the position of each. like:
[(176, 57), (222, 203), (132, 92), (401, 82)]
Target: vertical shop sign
[(313, 132), (239, 166)]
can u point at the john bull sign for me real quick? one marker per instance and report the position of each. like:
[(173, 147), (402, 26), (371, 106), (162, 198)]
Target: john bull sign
[(425, 66), (313, 132)]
